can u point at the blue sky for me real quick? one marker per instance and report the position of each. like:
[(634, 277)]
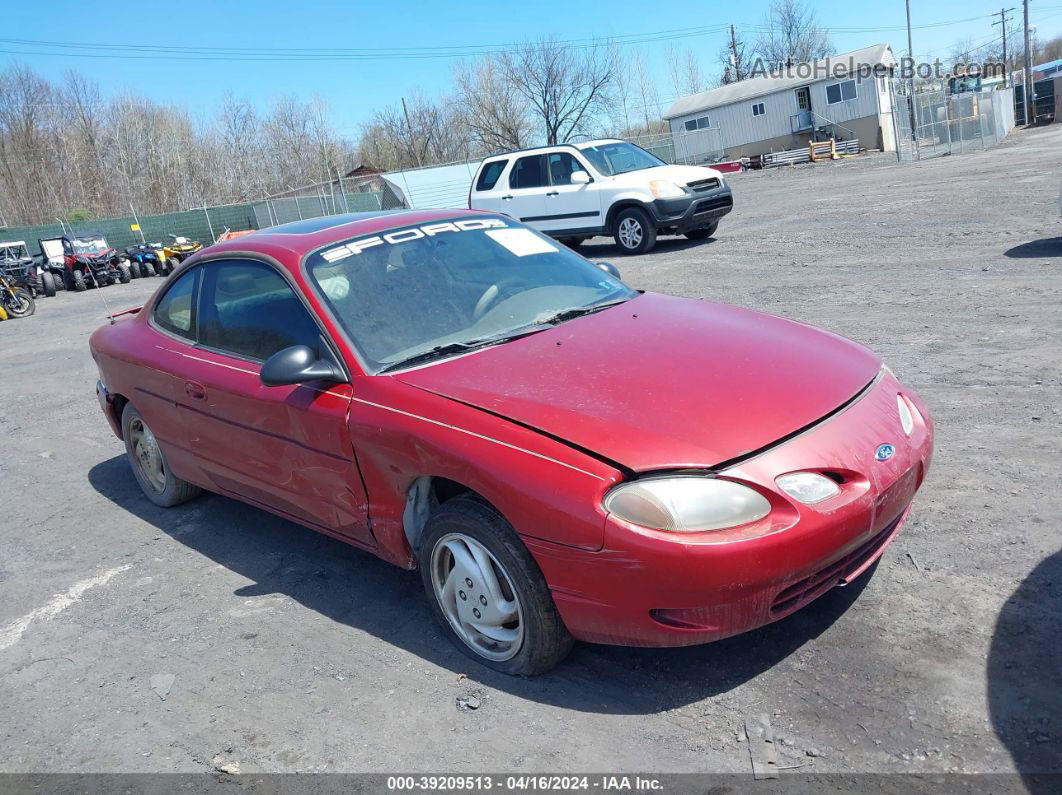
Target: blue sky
[(354, 88)]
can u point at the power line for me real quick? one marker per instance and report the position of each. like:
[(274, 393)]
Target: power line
[(126, 51)]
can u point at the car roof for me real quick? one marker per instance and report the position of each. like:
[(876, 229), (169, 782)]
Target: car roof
[(285, 241)]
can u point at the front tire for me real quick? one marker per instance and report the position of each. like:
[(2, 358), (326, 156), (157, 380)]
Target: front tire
[(124, 274), (505, 619), (635, 233), (171, 265), (78, 281), (149, 465), (48, 285)]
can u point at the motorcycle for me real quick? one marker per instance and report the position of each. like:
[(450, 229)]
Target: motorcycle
[(15, 301)]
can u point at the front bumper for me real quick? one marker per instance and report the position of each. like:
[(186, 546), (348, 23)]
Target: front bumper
[(693, 211), (648, 588)]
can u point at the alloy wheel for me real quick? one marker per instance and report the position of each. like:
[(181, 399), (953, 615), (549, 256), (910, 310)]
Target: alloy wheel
[(630, 233)]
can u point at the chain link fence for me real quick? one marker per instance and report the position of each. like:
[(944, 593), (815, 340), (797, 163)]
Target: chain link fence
[(934, 123)]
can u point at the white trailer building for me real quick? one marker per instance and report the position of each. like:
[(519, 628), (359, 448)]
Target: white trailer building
[(845, 96)]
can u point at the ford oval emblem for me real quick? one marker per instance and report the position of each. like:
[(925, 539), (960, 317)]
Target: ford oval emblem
[(884, 452)]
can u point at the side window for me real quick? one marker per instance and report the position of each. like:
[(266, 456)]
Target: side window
[(488, 177), (840, 92), (248, 309), (561, 167), (175, 311), (529, 172)]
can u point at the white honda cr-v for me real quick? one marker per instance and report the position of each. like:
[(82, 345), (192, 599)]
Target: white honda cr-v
[(609, 187)]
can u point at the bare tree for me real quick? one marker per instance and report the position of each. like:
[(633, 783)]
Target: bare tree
[(495, 111), (567, 89), (735, 57), (684, 69), (792, 34)]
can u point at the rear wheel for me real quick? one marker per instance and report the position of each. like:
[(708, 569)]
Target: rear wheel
[(635, 233), (134, 270), (124, 274), (148, 268), (48, 284), (21, 304), (149, 465), (488, 592), (703, 233), (77, 281), (171, 265)]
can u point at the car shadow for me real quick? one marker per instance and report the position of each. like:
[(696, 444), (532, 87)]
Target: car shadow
[(355, 588), (1042, 248), (1025, 676), (600, 248)]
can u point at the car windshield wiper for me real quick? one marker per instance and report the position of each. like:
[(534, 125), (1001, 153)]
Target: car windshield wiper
[(449, 348), (576, 311)]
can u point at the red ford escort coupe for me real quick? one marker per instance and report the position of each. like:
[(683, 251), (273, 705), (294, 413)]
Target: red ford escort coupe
[(561, 456)]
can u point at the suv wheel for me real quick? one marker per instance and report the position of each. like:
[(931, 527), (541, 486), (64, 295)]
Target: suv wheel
[(487, 591), (635, 234), (703, 233)]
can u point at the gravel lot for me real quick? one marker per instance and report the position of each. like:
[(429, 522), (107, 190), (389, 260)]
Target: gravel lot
[(134, 638)]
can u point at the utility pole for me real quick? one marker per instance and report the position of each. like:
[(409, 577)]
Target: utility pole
[(1028, 90), (738, 74), (910, 82), (409, 127), (1003, 22)]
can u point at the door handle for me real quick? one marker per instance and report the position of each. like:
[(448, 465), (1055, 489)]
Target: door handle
[(506, 198), (553, 193), (194, 390)]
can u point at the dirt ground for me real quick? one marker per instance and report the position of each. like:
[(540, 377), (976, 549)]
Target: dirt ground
[(134, 638)]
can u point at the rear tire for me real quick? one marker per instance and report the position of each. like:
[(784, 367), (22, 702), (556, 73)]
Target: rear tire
[(635, 233), (703, 233), (77, 280), (467, 523), (171, 265), (124, 274), (573, 242), (21, 305), (149, 465), (48, 284), (148, 268), (134, 270)]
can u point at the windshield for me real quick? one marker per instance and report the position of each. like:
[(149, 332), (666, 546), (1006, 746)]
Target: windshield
[(89, 245), (466, 282), (620, 157)]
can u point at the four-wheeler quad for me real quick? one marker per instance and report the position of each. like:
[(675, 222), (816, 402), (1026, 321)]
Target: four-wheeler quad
[(179, 250), (144, 260), (87, 261)]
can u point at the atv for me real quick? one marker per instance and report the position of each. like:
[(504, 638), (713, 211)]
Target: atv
[(181, 249), (86, 261), (144, 261), (25, 270)]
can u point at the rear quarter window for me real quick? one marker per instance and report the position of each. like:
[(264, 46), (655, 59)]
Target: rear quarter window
[(489, 174)]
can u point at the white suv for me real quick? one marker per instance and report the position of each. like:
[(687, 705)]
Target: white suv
[(610, 187)]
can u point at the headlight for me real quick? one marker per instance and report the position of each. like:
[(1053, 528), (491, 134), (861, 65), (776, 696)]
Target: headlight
[(808, 487), (907, 412), (663, 189), (689, 504)]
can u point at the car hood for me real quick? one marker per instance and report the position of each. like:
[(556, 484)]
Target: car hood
[(680, 175), (661, 382)]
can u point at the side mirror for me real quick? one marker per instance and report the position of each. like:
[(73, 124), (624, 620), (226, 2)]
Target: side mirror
[(297, 365), (609, 268), (580, 178)]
